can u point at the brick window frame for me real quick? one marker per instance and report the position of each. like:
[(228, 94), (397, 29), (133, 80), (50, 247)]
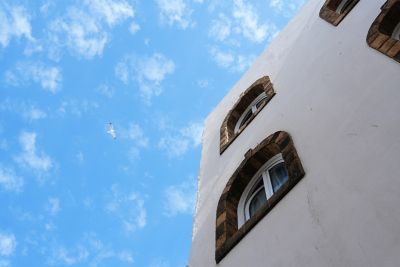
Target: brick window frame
[(227, 131), (227, 232), (329, 14), (379, 35)]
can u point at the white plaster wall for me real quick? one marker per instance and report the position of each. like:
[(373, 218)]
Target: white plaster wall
[(340, 102)]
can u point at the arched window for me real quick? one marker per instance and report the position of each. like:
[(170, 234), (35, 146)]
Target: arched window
[(334, 11), (251, 111), (267, 181), (265, 176), (384, 34), (250, 103)]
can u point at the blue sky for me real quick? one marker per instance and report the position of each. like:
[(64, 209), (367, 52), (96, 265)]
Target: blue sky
[(70, 194)]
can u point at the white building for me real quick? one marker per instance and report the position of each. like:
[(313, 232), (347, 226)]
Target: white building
[(331, 93)]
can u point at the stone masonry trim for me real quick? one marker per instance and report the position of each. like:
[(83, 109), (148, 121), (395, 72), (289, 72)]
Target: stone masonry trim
[(227, 233), (227, 131), (329, 14), (379, 35)]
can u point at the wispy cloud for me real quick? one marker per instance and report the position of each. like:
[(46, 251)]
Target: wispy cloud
[(112, 12), (231, 61), (243, 21), (85, 29), (248, 21), (48, 77), (53, 206), (9, 180), (180, 199), (177, 142), (135, 133), (77, 107), (136, 137), (148, 72), (89, 251), (14, 22), (26, 110), (30, 157), (286, 7), (128, 208), (8, 244), (175, 12), (106, 90), (221, 27)]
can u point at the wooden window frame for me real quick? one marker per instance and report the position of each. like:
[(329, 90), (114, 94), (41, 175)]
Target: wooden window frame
[(380, 34)]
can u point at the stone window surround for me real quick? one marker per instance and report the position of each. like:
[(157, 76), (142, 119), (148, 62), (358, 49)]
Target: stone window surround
[(227, 131), (227, 233), (329, 14), (379, 35)]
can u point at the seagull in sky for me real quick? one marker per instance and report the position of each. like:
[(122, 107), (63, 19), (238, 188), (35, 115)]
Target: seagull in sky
[(111, 131)]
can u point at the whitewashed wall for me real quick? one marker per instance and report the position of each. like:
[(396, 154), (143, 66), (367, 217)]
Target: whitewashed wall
[(340, 101)]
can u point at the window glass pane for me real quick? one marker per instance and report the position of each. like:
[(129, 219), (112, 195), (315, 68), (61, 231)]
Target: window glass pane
[(344, 5), (260, 102), (257, 201), (278, 175), (246, 118), (396, 32)]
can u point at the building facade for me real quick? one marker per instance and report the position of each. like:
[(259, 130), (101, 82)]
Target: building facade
[(300, 160)]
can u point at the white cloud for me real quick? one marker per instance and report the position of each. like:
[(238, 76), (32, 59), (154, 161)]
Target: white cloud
[(179, 141), (84, 37), (248, 23), (203, 83), (128, 209), (26, 110), (8, 244), (77, 107), (180, 199), (53, 206), (125, 256), (34, 114), (69, 257), (230, 60), (9, 180), (138, 140), (175, 12), (14, 22), (287, 8), (106, 90), (48, 77), (135, 133), (30, 157), (85, 30), (221, 28), (113, 12), (148, 72), (89, 251), (134, 28)]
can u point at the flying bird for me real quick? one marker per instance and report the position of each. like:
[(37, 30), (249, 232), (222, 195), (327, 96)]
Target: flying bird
[(111, 131)]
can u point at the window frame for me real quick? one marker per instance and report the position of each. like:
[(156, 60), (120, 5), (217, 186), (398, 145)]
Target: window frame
[(263, 173), (253, 108)]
